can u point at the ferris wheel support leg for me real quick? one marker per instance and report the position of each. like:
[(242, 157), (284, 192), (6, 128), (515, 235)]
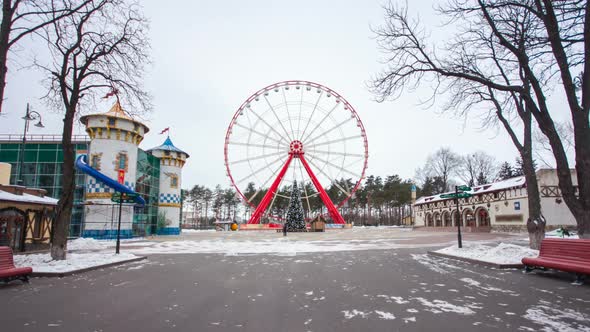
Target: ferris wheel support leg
[(255, 218), (336, 217)]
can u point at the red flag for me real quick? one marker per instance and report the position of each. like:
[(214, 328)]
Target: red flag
[(165, 130), (113, 92)]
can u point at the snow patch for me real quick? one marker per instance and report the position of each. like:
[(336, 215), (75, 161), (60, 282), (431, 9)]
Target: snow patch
[(385, 315), (83, 243), (477, 284), (557, 320), (43, 263), (503, 253), (397, 299), (438, 306), (353, 313)]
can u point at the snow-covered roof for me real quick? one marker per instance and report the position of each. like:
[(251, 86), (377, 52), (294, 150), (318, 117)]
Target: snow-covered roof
[(27, 198), (516, 182), (168, 146)]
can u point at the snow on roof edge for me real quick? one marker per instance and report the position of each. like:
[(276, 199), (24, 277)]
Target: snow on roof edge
[(516, 182)]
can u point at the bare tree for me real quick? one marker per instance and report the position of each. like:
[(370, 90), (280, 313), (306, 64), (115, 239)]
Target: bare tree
[(101, 47), (543, 149), (477, 168), (22, 18), (510, 54), (443, 163)]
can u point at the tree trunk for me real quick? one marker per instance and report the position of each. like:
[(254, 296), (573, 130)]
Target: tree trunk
[(582, 148), (584, 226), (66, 200), (536, 222), (5, 28)]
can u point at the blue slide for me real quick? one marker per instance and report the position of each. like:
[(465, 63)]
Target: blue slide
[(82, 165)]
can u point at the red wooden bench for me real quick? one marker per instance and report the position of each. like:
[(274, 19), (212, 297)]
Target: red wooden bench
[(562, 254), (7, 270)]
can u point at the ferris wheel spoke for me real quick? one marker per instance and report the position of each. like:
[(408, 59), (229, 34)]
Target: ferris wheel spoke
[(331, 179), (262, 134), (344, 154), (320, 122), (261, 169), (257, 157), (304, 188), (311, 116), (272, 176), (288, 114), (268, 125), (277, 117), (264, 146), (336, 140), (329, 130), (333, 165), (300, 109)]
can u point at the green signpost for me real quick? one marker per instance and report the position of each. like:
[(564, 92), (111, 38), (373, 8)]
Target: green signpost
[(459, 193), (123, 198)]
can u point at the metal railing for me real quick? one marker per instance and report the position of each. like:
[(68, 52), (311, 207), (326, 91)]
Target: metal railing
[(31, 138)]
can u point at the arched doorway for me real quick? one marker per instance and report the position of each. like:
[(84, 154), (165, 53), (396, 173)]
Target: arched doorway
[(446, 216), (12, 228), (437, 219), (429, 222), (482, 217), (469, 218)]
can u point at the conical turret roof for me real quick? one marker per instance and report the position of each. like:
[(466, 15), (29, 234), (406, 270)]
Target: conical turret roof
[(116, 111), (168, 146)]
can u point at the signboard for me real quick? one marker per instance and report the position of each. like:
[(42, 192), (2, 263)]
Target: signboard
[(123, 198), (460, 195), (464, 188), (121, 176)]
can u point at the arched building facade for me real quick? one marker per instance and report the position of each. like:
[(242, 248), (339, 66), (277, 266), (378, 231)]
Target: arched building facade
[(498, 206)]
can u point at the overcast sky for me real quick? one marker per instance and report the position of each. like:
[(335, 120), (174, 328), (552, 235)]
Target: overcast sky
[(209, 56)]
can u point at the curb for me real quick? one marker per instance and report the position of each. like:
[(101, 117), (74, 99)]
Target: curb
[(475, 261), (69, 273)]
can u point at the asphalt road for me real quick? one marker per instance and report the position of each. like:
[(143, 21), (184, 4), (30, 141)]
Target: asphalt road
[(372, 290)]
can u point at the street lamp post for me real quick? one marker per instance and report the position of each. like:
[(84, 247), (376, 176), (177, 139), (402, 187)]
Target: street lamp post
[(29, 116)]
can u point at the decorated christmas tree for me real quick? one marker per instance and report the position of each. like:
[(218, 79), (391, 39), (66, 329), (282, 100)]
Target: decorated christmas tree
[(295, 220)]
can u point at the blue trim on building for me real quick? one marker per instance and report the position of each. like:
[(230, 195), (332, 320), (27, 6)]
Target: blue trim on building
[(107, 234), (169, 231)]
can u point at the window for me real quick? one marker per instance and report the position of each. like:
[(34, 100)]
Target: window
[(166, 153), (121, 162), (95, 161), (112, 122), (173, 181)]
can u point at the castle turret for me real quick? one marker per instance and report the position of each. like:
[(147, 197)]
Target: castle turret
[(114, 140), (172, 159)]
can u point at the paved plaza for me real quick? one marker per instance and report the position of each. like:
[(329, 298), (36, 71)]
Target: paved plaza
[(397, 288)]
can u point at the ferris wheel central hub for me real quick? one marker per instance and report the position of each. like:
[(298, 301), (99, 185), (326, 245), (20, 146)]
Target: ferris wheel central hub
[(296, 148)]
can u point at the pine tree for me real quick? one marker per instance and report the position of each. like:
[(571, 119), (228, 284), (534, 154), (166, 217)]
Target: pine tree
[(506, 171), (295, 220)]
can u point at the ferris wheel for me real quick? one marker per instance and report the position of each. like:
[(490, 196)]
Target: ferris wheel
[(295, 131)]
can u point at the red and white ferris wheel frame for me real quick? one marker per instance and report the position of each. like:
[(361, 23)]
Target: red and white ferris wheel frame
[(347, 105)]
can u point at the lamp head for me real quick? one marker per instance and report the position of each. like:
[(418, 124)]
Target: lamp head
[(39, 124)]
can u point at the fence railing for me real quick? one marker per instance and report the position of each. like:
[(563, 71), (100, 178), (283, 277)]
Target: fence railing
[(41, 138)]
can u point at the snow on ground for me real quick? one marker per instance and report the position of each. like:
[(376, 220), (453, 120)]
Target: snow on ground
[(279, 246), (502, 253), (86, 244), (42, 263), (557, 320)]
